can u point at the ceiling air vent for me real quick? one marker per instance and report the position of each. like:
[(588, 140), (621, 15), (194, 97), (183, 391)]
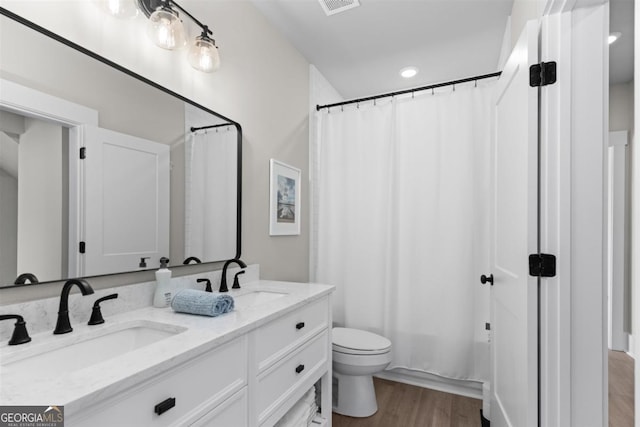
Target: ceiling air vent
[(331, 7)]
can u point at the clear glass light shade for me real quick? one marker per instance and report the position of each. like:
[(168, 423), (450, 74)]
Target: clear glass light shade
[(203, 55), (165, 29), (120, 8)]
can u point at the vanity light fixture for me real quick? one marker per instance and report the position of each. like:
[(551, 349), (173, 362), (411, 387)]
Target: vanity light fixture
[(120, 8), (613, 37), (408, 72), (203, 53), (166, 30)]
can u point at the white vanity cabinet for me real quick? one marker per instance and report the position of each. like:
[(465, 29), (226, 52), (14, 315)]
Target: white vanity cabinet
[(247, 369), (290, 355), (201, 386)]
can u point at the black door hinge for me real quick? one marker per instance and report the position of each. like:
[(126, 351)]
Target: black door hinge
[(542, 74), (542, 265), (83, 152), (82, 247)]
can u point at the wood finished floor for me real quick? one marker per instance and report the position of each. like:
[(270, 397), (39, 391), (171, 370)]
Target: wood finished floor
[(621, 393), (403, 405)]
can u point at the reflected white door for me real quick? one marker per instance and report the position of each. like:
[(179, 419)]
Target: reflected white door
[(514, 236), (126, 203)]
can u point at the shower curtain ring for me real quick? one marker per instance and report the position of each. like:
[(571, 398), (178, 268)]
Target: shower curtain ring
[(454, 87), (475, 83), (358, 105), (433, 91), (413, 95), (342, 108), (374, 102)]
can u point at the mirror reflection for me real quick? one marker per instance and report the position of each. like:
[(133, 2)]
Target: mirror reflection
[(102, 173)]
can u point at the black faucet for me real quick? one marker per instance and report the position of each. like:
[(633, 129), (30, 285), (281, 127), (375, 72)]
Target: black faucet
[(22, 279), (208, 284), (192, 258), (223, 280), (96, 313), (236, 282), (20, 335), (63, 325)]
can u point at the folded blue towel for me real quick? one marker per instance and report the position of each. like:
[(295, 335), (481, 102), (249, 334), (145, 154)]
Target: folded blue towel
[(193, 301)]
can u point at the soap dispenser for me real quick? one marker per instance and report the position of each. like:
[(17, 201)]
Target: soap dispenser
[(163, 295)]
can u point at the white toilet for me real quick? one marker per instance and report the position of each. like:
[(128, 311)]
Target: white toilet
[(357, 355)]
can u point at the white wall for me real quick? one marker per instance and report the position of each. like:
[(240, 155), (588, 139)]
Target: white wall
[(523, 11), (321, 92), (621, 107), (263, 84), (9, 229), (40, 196)]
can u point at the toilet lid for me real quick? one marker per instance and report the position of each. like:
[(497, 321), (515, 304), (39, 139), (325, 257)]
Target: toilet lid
[(357, 341)]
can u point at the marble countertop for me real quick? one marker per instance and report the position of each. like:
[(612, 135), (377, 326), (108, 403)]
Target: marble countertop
[(83, 386)]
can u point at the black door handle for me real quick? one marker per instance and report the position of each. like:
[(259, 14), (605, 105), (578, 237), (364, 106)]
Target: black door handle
[(484, 279)]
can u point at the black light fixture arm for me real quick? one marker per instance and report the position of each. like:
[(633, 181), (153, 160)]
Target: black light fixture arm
[(205, 28)]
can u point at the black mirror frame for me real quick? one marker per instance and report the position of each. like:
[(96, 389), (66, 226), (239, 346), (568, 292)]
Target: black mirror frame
[(54, 36)]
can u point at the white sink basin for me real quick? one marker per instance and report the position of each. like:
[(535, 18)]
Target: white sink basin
[(255, 298), (72, 353)]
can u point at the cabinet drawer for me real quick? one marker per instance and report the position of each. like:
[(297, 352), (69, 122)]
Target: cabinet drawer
[(197, 386), (281, 336), (275, 384), (232, 412)]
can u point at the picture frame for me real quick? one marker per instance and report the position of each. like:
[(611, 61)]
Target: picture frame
[(284, 199)]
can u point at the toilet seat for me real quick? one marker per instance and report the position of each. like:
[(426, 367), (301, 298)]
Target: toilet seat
[(355, 341)]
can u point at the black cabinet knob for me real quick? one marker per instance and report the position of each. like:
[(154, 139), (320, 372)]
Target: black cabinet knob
[(484, 279), (300, 325), (299, 369)]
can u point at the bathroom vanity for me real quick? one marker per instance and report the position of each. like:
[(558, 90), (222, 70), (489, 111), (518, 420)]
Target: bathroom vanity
[(156, 367)]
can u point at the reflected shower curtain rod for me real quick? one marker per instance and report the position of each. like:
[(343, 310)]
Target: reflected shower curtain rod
[(194, 129), (402, 92)]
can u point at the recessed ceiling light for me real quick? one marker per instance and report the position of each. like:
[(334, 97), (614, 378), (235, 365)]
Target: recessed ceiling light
[(613, 37), (408, 72)]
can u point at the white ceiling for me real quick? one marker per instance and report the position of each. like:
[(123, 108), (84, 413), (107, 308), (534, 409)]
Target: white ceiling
[(361, 50)]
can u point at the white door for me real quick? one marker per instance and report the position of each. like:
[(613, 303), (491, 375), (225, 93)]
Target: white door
[(126, 201), (514, 341)]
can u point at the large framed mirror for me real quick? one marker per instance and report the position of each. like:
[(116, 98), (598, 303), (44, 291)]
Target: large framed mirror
[(103, 171)]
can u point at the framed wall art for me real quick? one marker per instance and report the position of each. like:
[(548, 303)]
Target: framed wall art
[(284, 199)]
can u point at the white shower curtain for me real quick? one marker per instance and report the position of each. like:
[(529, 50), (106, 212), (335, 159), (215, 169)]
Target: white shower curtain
[(210, 194), (400, 224)]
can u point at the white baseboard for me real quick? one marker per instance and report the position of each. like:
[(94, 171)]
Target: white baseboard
[(422, 379)]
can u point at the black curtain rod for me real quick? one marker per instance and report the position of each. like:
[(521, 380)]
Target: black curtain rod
[(402, 92), (193, 129)]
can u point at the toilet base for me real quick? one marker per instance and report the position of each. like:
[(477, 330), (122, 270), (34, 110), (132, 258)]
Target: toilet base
[(356, 396)]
